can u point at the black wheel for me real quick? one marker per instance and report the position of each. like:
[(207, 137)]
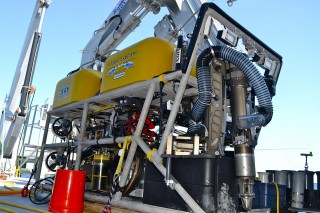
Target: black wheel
[(55, 159), (62, 127)]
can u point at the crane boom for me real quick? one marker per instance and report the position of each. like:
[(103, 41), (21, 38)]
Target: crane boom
[(13, 117)]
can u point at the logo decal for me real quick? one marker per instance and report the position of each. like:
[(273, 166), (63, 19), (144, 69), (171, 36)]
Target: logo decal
[(121, 67), (64, 91), (127, 64), (112, 71), (120, 75)]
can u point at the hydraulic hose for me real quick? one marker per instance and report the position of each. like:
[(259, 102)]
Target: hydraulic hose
[(278, 197), (204, 90), (22, 207), (4, 209), (255, 79), (204, 84)]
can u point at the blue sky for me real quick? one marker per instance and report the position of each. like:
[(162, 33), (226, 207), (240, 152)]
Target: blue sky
[(289, 27)]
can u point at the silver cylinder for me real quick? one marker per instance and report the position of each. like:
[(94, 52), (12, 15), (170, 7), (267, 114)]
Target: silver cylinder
[(281, 177), (238, 98), (244, 161), (299, 179), (264, 177)]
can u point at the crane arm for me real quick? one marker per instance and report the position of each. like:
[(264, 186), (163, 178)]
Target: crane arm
[(128, 14), (12, 117)]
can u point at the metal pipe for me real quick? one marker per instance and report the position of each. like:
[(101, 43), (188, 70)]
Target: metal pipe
[(101, 141), (138, 10), (119, 92), (44, 139), (44, 9), (143, 14), (156, 160), (177, 101), (25, 128), (29, 73), (168, 172), (33, 119), (131, 205), (82, 130), (133, 147)]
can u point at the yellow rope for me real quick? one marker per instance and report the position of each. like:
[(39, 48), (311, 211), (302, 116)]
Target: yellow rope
[(150, 153), (125, 147), (278, 196)]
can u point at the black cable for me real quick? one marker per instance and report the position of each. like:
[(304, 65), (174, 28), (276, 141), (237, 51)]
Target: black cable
[(37, 189)]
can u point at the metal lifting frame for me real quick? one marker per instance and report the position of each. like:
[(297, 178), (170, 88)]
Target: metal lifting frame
[(136, 139), (202, 29)]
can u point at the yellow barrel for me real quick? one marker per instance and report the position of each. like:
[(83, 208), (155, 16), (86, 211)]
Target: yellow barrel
[(76, 87)]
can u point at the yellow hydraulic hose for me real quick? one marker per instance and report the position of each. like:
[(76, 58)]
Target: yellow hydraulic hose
[(9, 192), (22, 207), (7, 210), (278, 196)]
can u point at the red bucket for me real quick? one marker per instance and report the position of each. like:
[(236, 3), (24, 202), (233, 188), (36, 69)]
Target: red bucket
[(68, 192)]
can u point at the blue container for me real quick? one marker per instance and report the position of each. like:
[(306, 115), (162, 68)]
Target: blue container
[(266, 195)]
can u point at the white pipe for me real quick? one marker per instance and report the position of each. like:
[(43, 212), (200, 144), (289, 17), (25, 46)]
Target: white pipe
[(176, 104), (116, 93), (138, 131), (82, 130), (41, 18), (101, 141), (131, 205), (176, 185)]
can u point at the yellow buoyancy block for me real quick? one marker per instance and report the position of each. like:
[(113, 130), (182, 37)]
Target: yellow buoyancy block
[(76, 87)]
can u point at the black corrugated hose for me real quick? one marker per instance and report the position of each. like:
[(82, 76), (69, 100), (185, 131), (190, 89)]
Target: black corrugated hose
[(256, 80)]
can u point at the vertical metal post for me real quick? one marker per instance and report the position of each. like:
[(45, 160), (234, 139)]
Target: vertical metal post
[(25, 129), (137, 133), (33, 119), (176, 104), (82, 130), (44, 139)]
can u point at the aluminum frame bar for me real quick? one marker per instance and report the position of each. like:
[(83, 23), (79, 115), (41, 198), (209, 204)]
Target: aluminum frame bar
[(156, 160), (82, 130), (138, 131), (44, 140)]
